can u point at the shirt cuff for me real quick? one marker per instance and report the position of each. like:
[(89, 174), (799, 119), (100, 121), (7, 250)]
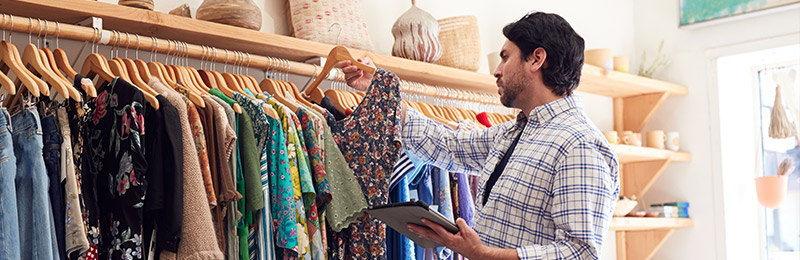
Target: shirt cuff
[(527, 253)]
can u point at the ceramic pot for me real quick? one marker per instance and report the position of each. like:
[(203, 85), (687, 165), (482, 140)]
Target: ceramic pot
[(416, 36), (240, 13), (771, 190)]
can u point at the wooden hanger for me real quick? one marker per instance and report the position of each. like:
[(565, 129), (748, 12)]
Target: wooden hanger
[(220, 81), (243, 81), (62, 63), (213, 80), (10, 58), (338, 53), (271, 87), (50, 64), (337, 99), (7, 84), (7, 62), (94, 65), (292, 89), (158, 69), (30, 57), (138, 79), (116, 69), (133, 71)]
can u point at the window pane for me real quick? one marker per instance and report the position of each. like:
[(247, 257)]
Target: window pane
[(782, 224)]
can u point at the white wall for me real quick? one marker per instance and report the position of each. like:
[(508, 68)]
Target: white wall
[(696, 117), (602, 24)]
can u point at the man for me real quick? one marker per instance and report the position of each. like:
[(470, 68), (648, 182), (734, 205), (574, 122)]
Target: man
[(549, 180)]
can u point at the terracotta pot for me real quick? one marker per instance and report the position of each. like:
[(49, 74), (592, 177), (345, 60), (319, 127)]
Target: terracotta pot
[(142, 4), (240, 13), (771, 190)]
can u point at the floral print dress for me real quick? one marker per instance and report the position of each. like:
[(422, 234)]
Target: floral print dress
[(284, 220), (315, 156), (114, 170), (301, 179), (370, 141)]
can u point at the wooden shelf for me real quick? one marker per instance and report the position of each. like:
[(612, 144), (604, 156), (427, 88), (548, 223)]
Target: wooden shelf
[(630, 153), (640, 238), (594, 80), (641, 166), (640, 224), (616, 84)]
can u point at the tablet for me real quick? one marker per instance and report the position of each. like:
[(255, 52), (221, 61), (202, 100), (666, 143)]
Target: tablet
[(398, 215)]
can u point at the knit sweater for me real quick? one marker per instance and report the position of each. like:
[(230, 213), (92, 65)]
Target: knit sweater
[(197, 237)]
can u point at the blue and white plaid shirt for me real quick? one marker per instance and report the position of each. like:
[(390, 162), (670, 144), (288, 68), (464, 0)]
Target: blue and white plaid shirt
[(557, 194)]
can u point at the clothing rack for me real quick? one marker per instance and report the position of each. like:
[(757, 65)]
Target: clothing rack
[(43, 28)]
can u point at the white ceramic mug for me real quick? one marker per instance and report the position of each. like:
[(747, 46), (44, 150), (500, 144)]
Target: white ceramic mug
[(656, 139), (673, 141), (611, 136), (630, 138), (494, 60)]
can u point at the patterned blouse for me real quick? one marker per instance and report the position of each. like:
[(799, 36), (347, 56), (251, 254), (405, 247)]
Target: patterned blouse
[(284, 220), (304, 193), (316, 156), (115, 169), (370, 141)]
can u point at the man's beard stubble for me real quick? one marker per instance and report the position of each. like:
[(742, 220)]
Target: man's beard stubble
[(512, 89)]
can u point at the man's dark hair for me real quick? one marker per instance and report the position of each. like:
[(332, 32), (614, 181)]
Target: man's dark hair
[(563, 45)]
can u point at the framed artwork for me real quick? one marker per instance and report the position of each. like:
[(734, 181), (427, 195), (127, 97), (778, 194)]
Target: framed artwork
[(702, 11)]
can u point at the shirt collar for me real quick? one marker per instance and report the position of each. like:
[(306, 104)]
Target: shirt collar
[(546, 112)]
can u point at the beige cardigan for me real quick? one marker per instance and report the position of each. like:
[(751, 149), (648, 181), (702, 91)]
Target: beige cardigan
[(198, 240)]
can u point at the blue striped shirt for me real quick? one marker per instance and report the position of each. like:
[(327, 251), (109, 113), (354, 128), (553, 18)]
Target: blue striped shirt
[(555, 197)]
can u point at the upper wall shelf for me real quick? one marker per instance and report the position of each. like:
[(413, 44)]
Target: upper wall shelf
[(148, 23), (639, 224), (630, 153), (616, 84)]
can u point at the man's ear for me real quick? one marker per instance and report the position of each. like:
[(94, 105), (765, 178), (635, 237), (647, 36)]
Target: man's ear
[(537, 59)]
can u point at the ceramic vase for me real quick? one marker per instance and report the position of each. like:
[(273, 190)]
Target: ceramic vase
[(416, 36)]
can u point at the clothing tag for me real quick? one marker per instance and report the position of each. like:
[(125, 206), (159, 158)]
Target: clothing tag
[(413, 195), (152, 246)]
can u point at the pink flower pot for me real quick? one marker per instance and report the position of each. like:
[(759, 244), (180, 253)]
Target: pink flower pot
[(771, 190)]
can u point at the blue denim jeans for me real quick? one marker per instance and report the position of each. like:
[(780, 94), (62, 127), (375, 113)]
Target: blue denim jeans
[(9, 223), (51, 152), (36, 228)]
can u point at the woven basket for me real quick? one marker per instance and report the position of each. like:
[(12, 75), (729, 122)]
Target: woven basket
[(461, 42)]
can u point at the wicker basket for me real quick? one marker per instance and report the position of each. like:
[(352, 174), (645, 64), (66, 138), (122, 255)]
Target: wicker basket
[(461, 42)]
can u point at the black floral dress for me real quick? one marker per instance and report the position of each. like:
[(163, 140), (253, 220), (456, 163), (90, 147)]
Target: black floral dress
[(370, 141), (114, 168)]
